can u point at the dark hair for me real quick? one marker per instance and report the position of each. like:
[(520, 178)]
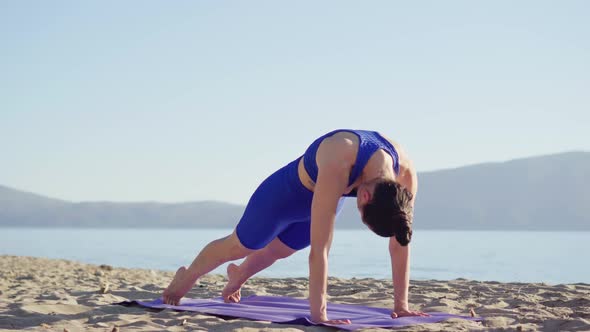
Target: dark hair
[(389, 213)]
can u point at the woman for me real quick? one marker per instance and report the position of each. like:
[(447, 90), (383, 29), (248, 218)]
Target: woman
[(296, 207)]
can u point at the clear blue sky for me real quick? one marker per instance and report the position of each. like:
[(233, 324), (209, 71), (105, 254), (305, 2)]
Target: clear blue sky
[(193, 100)]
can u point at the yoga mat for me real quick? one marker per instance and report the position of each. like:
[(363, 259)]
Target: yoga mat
[(296, 311)]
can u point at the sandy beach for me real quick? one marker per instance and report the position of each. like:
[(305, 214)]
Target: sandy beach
[(58, 295)]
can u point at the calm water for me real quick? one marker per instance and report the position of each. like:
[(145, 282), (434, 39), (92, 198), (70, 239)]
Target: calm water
[(481, 255)]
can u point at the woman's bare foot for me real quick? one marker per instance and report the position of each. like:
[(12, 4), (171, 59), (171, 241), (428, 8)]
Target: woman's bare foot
[(178, 287), (231, 292)]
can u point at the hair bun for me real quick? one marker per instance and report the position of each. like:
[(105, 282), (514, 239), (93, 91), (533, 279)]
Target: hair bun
[(404, 238)]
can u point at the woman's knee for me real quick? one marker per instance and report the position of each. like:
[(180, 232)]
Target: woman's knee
[(279, 249), (235, 248)]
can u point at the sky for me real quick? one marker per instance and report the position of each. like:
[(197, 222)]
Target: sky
[(177, 101)]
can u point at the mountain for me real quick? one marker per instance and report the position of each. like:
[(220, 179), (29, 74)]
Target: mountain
[(537, 193), (21, 209)]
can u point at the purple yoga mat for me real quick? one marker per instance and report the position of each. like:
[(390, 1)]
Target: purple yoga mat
[(296, 311)]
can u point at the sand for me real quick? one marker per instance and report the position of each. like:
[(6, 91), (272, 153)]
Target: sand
[(59, 295)]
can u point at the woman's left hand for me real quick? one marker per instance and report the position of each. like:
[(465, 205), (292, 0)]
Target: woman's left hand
[(406, 312)]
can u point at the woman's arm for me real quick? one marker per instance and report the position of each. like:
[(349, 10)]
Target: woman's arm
[(400, 257), (333, 172), (323, 214), (400, 270)]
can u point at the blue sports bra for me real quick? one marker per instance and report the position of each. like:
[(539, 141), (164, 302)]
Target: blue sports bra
[(369, 142)]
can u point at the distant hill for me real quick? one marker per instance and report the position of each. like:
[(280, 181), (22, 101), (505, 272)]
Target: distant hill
[(21, 209), (538, 193)]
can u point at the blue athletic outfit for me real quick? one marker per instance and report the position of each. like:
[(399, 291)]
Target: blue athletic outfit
[(281, 205)]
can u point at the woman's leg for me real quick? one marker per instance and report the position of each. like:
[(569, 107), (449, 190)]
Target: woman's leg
[(278, 200), (214, 254), (292, 239), (254, 263)]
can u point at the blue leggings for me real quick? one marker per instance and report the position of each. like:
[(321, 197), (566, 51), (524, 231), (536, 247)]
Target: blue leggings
[(280, 207)]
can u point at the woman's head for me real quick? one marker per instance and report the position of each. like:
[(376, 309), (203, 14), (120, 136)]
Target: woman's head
[(385, 208)]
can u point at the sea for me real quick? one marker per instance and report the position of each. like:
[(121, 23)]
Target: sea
[(505, 256)]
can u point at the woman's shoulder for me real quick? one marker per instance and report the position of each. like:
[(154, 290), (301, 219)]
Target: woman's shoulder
[(342, 146)]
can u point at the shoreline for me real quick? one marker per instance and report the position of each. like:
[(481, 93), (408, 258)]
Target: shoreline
[(56, 294)]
